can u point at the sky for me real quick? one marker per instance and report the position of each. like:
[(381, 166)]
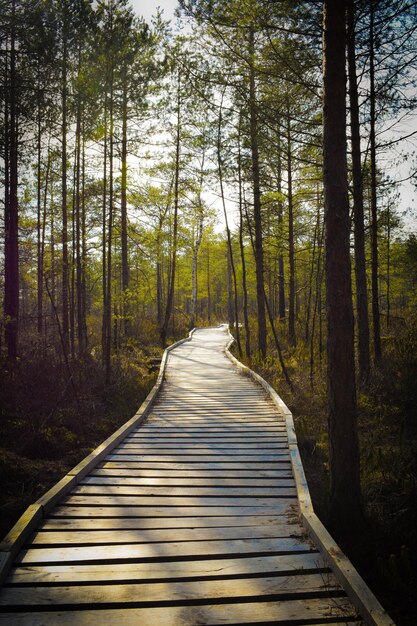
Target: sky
[(147, 8)]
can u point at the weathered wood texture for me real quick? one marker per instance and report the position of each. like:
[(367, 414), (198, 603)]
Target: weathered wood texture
[(193, 518)]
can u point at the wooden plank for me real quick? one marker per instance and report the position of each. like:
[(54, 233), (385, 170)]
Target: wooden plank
[(170, 570), (279, 587), (183, 474), (163, 522), (198, 458), (208, 432), (161, 551), (174, 481), (151, 466), (97, 537), (201, 448), (191, 615), (275, 507), (133, 491), (221, 437), (176, 501)]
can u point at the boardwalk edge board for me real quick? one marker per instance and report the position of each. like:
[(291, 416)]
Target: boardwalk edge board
[(26, 524), (359, 593)]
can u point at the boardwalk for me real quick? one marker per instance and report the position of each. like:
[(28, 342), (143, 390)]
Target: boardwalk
[(192, 519)]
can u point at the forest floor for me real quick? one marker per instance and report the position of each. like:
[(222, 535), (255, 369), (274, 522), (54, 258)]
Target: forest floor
[(47, 425)]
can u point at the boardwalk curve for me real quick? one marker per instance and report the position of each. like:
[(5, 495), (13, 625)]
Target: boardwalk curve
[(192, 518)]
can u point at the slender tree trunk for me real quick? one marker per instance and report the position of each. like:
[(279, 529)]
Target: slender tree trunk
[(208, 287), (83, 319), (345, 493), (242, 256), (159, 289), (11, 248), (196, 248), (291, 250), (281, 276), (65, 264), (310, 282), (171, 281), (110, 234), (123, 209), (78, 228), (104, 237), (257, 214), (73, 257), (230, 309), (232, 270), (388, 266), (374, 209), (43, 231), (39, 219), (358, 211)]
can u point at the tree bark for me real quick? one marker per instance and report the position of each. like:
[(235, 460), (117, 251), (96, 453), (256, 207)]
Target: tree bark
[(374, 208), (65, 264), (171, 281), (11, 248), (257, 213), (233, 312), (123, 210), (358, 211), (242, 256), (281, 276), (291, 250), (345, 493)]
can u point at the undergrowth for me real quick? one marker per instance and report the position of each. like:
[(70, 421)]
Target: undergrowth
[(52, 416), (387, 422)]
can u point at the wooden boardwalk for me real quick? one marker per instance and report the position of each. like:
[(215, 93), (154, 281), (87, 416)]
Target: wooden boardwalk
[(192, 519)]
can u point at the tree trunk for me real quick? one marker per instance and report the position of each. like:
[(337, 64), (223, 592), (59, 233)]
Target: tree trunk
[(196, 248), (11, 247), (83, 318), (242, 256), (291, 251), (259, 255), (358, 211), (234, 314), (345, 494), (104, 238), (110, 235), (208, 287), (65, 264), (171, 281), (123, 209), (374, 211), (281, 277)]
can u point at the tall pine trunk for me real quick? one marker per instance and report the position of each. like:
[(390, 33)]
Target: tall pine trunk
[(64, 194), (11, 248), (171, 281), (123, 211), (358, 211), (374, 209), (257, 214), (281, 276), (291, 250), (345, 493), (242, 255)]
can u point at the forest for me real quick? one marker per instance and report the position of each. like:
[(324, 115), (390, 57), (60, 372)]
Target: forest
[(226, 166)]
